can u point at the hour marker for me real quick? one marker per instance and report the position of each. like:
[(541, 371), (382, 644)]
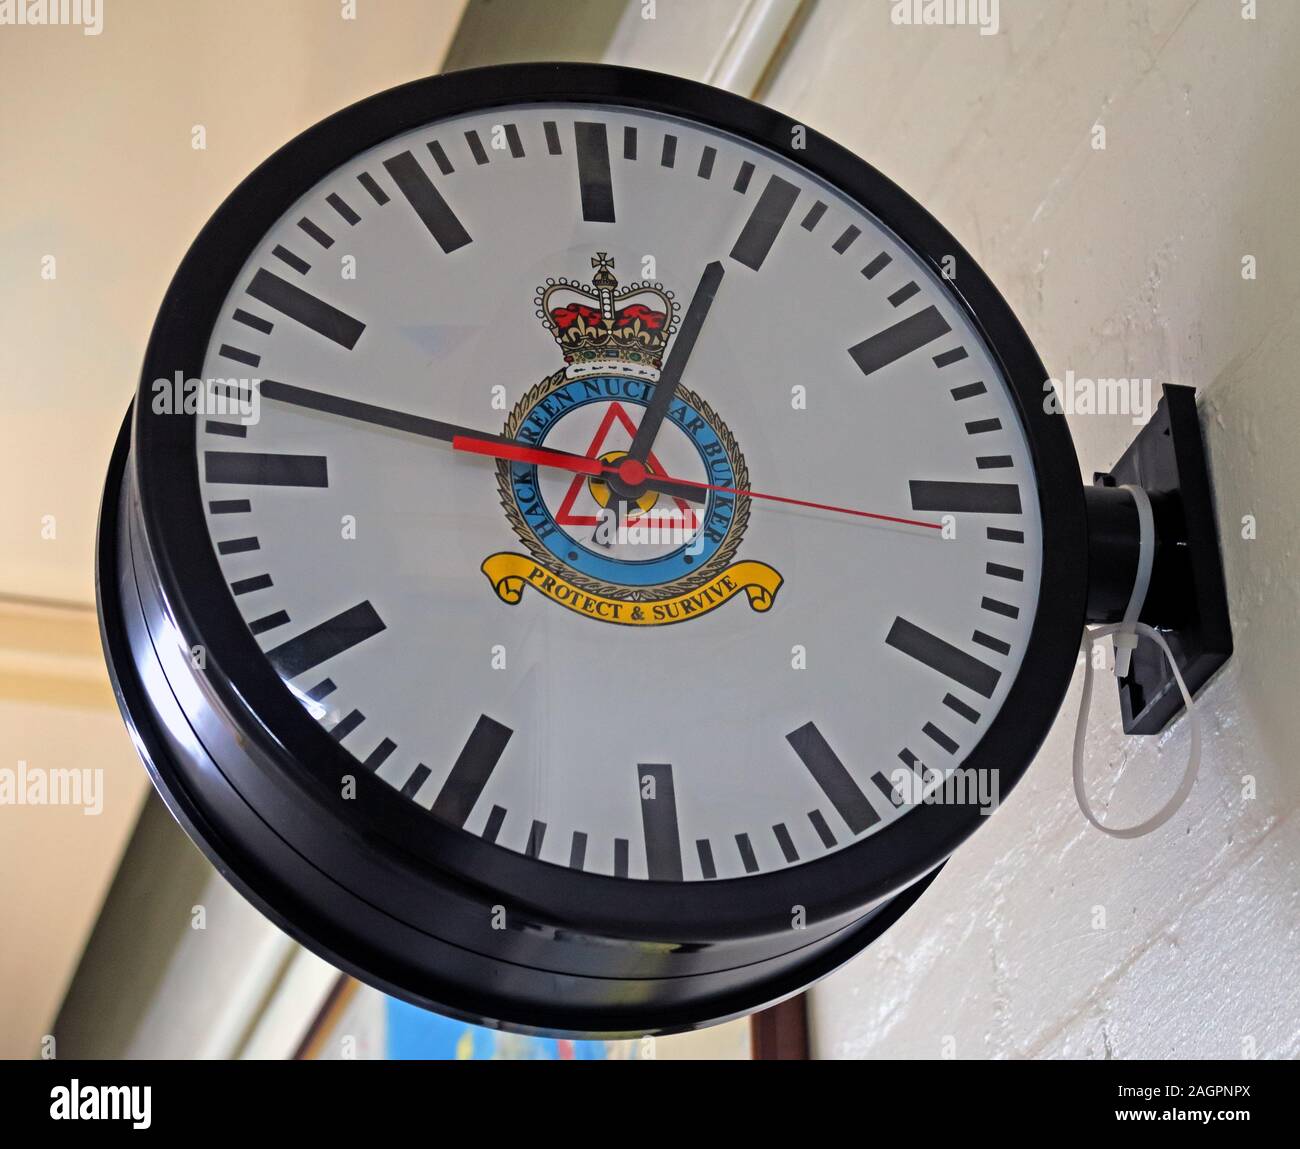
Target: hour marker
[(747, 858), (376, 193), (956, 355), (344, 726), (1000, 570), (319, 234), (904, 337), (767, 218), (824, 832), (231, 430), (845, 241), (706, 163), (786, 843), (344, 209), (1002, 535), (904, 293), (248, 585), (957, 706), (231, 390), (553, 148), (968, 391), (629, 143), (325, 640), (474, 766), (743, 177), (515, 144), (379, 755), (536, 835), (831, 775), (663, 847), (990, 643), (975, 498), (620, 857), (594, 183), (439, 154), (323, 689), (237, 546), (269, 622), (476, 147), (427, 201), (997, 606), (993, 462), (229, 506), (877, 265), (239, 355), (886, 787), (291, 300), (493, 825), (256, 322), (814, 216), (931, 731), (578, 848), (983, 426), (704, 848), (415, 781), (912, 762), (300, 265), (950, 661), (668, 156), (260, 469)]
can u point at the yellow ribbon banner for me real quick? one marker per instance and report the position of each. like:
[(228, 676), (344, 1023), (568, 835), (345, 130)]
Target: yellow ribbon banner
[(509, 573)]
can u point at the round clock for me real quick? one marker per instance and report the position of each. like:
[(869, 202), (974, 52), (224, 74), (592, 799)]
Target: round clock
[(573, 526)]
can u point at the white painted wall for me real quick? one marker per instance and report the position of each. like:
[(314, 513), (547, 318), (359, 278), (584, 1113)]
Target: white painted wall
[(1122, 262)]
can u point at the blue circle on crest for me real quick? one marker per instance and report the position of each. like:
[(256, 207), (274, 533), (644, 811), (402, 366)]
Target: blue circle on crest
[(715, 515)]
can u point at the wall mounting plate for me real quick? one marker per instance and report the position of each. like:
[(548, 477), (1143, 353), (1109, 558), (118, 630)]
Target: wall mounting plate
[(1187, 600)]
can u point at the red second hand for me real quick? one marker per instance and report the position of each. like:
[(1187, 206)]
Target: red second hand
[(634, 473)]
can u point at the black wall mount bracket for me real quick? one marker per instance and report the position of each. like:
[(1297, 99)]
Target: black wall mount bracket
[(1187, 599)]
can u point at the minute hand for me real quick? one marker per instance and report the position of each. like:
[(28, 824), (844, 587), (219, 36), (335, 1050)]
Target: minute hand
[(682, 346), (377, 416)]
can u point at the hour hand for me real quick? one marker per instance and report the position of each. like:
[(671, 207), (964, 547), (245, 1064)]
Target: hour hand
[(678, 355), (639, 480)]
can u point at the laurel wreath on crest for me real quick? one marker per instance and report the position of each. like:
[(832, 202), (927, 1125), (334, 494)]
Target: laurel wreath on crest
[(715, 566)]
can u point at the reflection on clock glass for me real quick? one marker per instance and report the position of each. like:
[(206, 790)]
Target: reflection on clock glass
[(698, 638)]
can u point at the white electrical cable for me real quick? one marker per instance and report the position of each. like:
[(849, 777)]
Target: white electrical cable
[(1161, 816), (1125, 637)]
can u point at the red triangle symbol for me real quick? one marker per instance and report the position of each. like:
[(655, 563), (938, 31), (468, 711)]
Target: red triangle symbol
[(565, 517)]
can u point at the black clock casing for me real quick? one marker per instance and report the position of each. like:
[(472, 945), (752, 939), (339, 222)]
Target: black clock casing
[(390, 895)]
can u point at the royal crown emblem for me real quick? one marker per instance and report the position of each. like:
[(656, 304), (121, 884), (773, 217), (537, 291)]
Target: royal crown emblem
[(663, 558), (599, 326)]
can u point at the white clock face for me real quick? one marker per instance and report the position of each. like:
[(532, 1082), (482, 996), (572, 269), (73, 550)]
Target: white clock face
[(728, 684)]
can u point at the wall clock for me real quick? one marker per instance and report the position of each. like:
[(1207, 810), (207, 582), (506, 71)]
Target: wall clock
[(561, 506)]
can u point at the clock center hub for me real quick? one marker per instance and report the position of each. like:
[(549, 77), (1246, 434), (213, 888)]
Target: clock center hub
[(624, 479), (632, 472)]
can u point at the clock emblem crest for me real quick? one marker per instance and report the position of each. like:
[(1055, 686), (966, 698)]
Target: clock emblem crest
[(647, 558)]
